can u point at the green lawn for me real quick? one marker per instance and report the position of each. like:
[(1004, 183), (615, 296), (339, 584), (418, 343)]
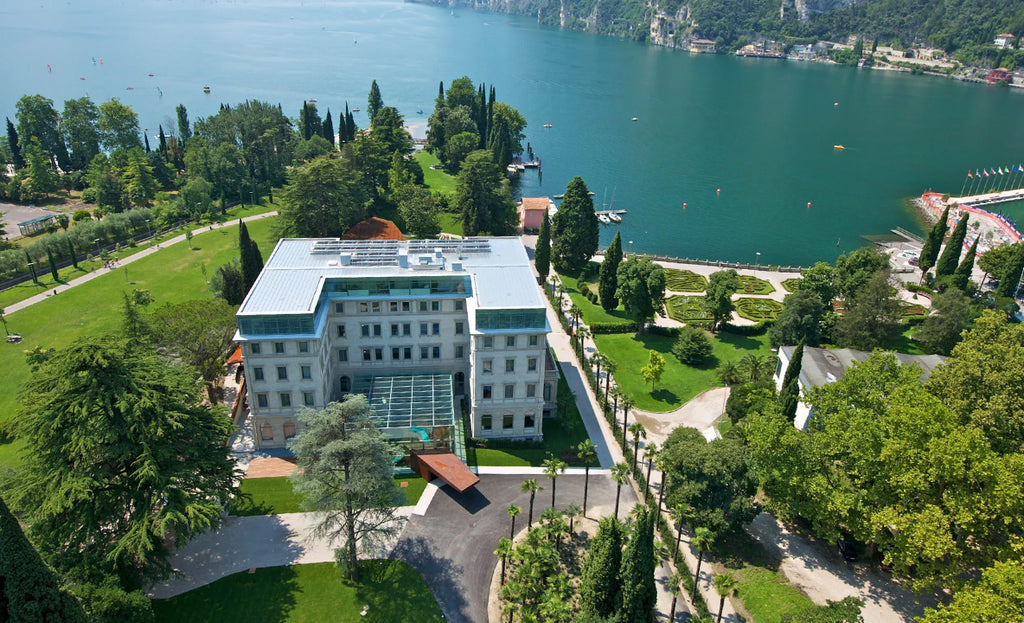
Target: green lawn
[(591, 312), (173, 275), (561, 435), (679, 383), (393, 590), (273, 496), (450, 223), (435, 179), (765, 594)]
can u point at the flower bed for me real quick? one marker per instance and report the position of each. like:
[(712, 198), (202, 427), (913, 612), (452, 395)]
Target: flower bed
[(686, 308), (684, 281), (753, 285), (791, 285), (758, 309)]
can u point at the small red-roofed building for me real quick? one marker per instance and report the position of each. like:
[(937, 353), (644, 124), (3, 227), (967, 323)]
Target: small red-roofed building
[(532, 211)]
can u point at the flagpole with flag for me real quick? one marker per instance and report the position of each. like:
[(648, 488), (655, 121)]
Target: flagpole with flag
[(974, 181), (964, 187), (1009, 177)]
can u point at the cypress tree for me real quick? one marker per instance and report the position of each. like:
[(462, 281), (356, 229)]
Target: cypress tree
[(163, 142), (374, 102), (350, 123), (145, 138), (71, 251), (15, 145), (793, 370), (184, 131), (966, 267), (29, 589), (53, 265), (639, 594), (608, 281), (480, 115), (328, 128), (599, 588), (789, 398), (542, 256), (1008, 280), (574, 229), (951, 254), (252, 259), (930, 250), (343, 136)]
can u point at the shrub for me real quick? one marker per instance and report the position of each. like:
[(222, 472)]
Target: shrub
[(748, 329), (108, 603), (597, 328), (88, 196), (684, 281), (692, 347), (758, 309), (81, 215)]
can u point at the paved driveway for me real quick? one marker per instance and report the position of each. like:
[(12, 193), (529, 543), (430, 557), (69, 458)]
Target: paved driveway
[(453, 545)]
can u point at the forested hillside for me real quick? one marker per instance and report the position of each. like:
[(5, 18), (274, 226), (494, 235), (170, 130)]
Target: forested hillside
[(966, 25)]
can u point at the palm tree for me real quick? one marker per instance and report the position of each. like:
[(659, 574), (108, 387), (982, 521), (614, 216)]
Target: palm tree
[(675, 582), (598, 360), (620, 472), (583, 333), (571, 512), (615, 401), (503, 553), (552, 467), (702, 539), (575, 311), (756, 367), (513, 510), (627, 404), (609, 369), (587, 452), (680, 514), (662, 463), (725, 584), (530, 486), (651, 454), (637, 430)]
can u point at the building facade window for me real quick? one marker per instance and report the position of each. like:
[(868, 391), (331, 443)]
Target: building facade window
[(393, 306), (257, 374), (460, 352), (460, 305), (303, 347), (339, 308), (531, 364), (396, 353), (529, 421), (254, 348), (510, 391), (507, 421), (424, 352), (279, 348), (436, 352), (267, 432), (435, 305), (364, 330), (345, 384), (423, 306), (407, 352), (510, 365), (286, 400), (307, 372), (341, 330), (435, 329), (531, 390), (367, 356), (407, 329), (377, 332), (510, 341), (261, 400), (364, 307), (487, 392), (289, 430), (395, 329), (424, 328), (534, 341), (459, 328), (282, 373), (343, 354), (547, 392), (485, 421), (378, 354), (307, 399), (488, 342), (488, 365)]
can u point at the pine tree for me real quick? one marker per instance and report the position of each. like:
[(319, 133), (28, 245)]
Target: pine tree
[(966, 267), (15, 145), (29, 589), (574, 229), (951, 254), (930, 250), (71, 251), (542, 255), (608, 281), (599, 587), (328, 128), (1009, 280), (374, 102), (53, 265), (639, 594)]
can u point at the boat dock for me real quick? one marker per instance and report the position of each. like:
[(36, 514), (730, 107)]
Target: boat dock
[(607, 212), (989, 198)]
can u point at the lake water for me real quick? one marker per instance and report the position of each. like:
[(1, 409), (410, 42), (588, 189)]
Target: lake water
[(761, 131)]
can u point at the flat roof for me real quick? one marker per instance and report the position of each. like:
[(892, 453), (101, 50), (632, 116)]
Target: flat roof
[(293, 277), (408, 401), (38, 219), (827, 365)]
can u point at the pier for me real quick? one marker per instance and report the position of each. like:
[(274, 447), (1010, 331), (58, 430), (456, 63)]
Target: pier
[(989, 198)]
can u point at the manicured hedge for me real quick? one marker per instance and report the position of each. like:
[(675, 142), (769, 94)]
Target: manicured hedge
[(686, 308), (684, 281), (791, 285), (758, 309), (752, 285)]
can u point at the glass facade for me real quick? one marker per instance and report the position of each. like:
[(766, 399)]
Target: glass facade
[(511, 319)]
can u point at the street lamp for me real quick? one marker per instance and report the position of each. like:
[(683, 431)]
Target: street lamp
[(97, 241), (758, 258), (32, 267), (148, 229), (631, 246)]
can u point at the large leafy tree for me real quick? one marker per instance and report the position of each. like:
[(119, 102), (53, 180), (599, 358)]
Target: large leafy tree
[(120, 456), (718, 296), (600, 589), (1012, 271), (41, 180), (639, 594), (574, 229), (322, 198), (78, 125), (29, 589), (418, 209), (800, 320), (118, 126), (998, 597), (37, 118), (389, 128), (482, 197), (640, 288), (716, 480), (872, 314), (995, 261), (889, 463), (820, 279), (200, 334), (855, 270), (607, 282), (950, 257), (346, 476), (951, 311), (981, 382)]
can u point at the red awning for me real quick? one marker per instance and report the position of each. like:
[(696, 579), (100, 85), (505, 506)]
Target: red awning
[(236, 357)]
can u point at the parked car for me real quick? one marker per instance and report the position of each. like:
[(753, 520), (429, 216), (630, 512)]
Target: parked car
[(847, 548)]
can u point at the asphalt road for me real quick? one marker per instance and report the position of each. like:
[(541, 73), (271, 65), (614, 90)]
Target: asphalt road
[(453, 545)]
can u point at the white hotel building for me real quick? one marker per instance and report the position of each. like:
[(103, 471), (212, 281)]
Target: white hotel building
[(454, 323)]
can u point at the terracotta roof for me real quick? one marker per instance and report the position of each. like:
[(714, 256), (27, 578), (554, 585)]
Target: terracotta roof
[(536, 203), (236, 357), (450, 469), (374, 228)]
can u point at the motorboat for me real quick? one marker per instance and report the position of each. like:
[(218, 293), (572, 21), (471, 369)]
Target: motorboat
[(604, 219)]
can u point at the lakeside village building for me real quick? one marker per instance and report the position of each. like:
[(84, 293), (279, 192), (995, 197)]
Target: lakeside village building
[(427, 329)]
